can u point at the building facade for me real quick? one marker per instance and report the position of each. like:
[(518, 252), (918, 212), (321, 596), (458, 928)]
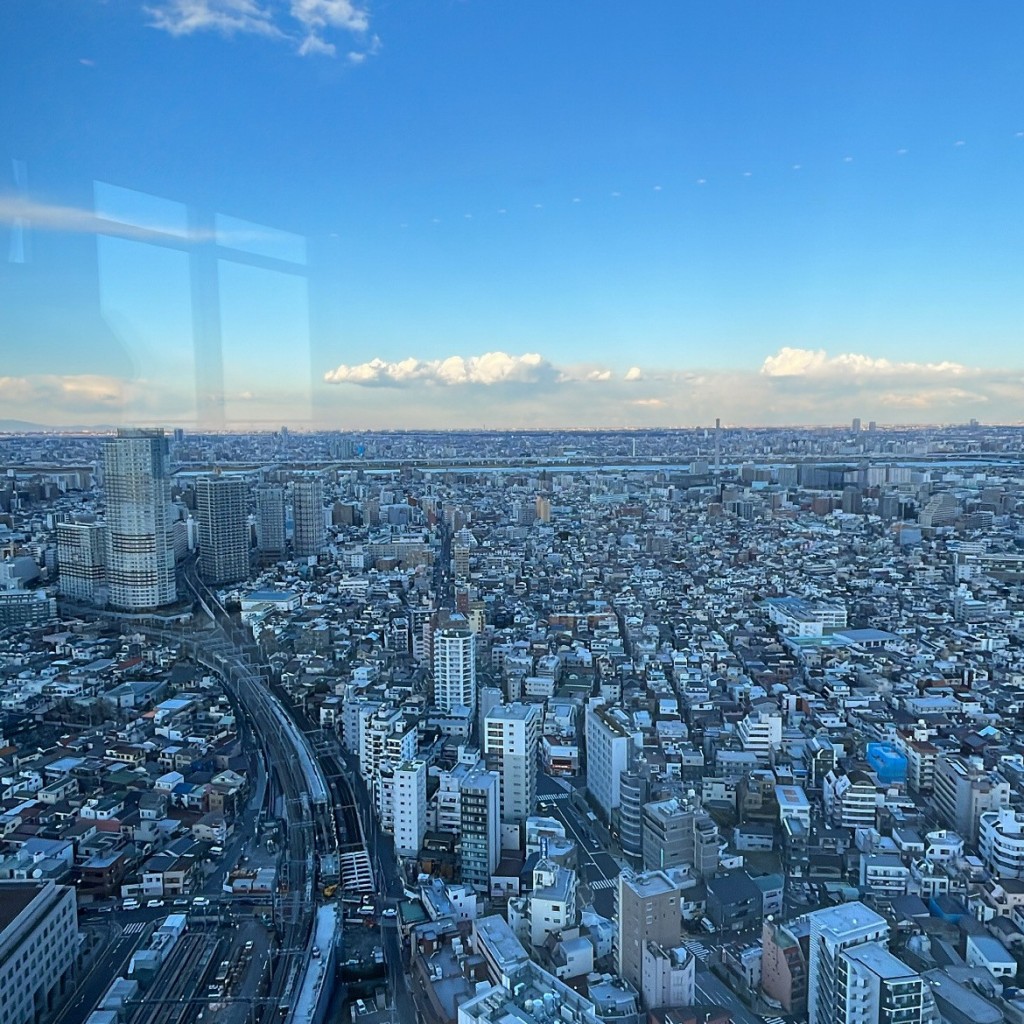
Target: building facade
[(82, 561), (511, 736), (140, 556), (38, 948), (648, 911), (310, 525), (222, 507), (455, 667)]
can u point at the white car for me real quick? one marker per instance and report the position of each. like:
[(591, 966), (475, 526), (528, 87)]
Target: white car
[(130, 904), (152, 904), (390, 912)]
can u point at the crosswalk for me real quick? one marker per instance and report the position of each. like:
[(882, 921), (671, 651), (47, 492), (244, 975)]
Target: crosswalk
[(773, 1020), (604, 883), (699, 950), (133, 928)]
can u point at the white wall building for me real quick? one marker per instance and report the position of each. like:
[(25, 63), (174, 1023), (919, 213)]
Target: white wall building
[(832, 931), (455, 667), (610, 739), (410, 807), (511, 735)]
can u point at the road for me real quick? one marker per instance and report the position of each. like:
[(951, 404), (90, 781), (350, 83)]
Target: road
[(710, 990), (91, 986), (598, 867)]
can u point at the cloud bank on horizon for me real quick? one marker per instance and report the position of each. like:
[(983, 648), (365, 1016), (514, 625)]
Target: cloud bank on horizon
[(792, 386)]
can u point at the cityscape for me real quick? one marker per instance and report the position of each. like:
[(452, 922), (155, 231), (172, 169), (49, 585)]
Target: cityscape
[(712, 725), (511, 513)]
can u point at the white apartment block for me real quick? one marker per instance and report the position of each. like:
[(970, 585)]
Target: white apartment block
[(511, 737), (1001, 842), (455, 668), (610, 739), (760, 732), (833, 931), (410, 807)]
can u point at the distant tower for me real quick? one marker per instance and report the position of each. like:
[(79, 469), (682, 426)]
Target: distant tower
[(856, 424), (222, 505), (270, 531), (140, 556), (308, 509), (718, 446)]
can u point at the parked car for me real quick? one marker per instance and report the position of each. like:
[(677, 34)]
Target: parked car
[(152, 904), (130, 904)]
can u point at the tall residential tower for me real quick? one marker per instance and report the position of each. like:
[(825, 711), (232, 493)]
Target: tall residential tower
[(140, 557)]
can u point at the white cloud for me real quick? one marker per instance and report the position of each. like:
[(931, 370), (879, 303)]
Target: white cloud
[(806, 362), (302, 23), (334, 13), (634, 373), (228, 17), (489, 368)]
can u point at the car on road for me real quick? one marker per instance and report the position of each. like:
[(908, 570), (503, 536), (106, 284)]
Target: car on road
[(200, 901), (390, 912), (153, 904), (130, 904), (181, 902)]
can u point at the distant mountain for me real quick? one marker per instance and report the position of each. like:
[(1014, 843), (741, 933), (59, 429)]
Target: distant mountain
[(26, 427)]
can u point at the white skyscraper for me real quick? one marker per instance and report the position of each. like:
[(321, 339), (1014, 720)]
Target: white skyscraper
[(222, 507), (140, 556), (511, 736), (308, 513), (833, 931), (455, 665)]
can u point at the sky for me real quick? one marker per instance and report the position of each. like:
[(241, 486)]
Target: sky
[(459, 213)]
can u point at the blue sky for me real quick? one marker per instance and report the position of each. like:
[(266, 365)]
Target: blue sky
[(452, 212)]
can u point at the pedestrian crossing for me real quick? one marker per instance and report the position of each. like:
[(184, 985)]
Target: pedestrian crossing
[(605, 883), (134, 928), (699, 950), (773, 1020)]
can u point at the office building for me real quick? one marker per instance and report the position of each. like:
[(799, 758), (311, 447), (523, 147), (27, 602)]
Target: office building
[(833, 931), (222, 507), (270, 522), (480, 831), (674, 835), (410, 807), (648, 911), (455, 665), (610, 742), (511, 736), (38, 947), (82, 561), (140, 556), (309, 518), (963, 790)]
